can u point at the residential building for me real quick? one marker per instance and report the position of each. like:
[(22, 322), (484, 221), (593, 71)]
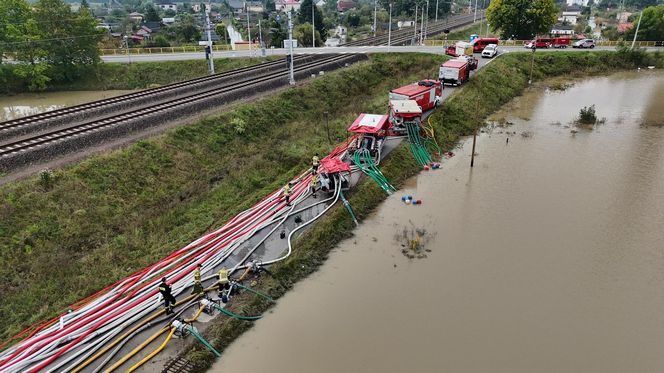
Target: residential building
[(196, 7), (577, 2), (135, 16), (168, 6), (557, 30), (288, 5), (344, 5), (570, 17)]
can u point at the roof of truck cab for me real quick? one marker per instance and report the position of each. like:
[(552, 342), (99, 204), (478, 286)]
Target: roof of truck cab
[(411, 89), (369, 123), (455, 63)]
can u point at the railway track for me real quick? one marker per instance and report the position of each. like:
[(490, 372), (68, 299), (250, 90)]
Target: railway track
[(405, 35), (67, 116), (56, 142)]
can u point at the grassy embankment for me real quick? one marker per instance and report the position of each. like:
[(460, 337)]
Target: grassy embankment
[(464, 33), (112, 214), (137, 75), (495, 85)]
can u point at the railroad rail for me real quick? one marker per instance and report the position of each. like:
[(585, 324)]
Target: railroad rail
[(406, 34), (33, 123), (56, 142)]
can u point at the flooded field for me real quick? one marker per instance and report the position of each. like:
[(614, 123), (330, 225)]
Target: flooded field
[(548, 256), (25, 104)]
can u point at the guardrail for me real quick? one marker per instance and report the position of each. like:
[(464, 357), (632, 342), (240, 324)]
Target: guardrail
[(520, 43), (161, 50)]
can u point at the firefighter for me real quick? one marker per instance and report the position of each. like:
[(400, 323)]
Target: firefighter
[(313, 185), (315, 163), (169, 299), (198, 286), (287, 193), (224, 282)]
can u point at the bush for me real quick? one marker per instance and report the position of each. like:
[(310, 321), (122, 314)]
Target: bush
[(587, 115)]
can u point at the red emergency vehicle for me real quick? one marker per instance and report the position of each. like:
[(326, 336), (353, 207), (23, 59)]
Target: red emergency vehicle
[(454, 72), (427, 93), (561, 42), (480, 43)]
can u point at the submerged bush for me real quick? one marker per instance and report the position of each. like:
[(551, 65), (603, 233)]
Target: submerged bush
[(587, 115)]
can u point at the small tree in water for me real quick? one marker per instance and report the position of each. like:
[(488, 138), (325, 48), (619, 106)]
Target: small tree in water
[(587, 115)]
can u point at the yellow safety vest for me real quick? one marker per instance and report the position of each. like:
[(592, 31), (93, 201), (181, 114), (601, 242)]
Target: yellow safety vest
[(197, 275), (314, 181), (287, 190), (315, 161), (223, 276)]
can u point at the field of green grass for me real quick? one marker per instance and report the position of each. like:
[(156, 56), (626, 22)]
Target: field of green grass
[(464, 33)]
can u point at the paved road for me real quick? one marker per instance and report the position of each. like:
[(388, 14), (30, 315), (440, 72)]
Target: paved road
[(341, 50)]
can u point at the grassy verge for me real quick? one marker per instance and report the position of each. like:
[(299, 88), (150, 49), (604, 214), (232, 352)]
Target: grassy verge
[(108, 216), (136, 75), (494, 86), (464, 33)]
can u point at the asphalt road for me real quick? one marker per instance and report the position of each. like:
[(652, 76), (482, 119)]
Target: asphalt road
[(325, 50)]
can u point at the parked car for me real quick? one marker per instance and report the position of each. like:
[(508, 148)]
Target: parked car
[(584, 43), (490, 51)]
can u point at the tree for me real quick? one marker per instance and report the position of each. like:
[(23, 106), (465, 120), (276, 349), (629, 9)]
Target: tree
[(522, 19), (84, 4), (151, 14), (303, 35), (186, 29), (15, 16), (270, 6), (68, 39), (304, 16), (652, 25)]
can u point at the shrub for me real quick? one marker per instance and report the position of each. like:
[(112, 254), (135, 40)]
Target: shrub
[(587, 115)]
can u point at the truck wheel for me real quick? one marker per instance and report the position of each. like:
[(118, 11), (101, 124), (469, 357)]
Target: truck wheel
[(592, 46)]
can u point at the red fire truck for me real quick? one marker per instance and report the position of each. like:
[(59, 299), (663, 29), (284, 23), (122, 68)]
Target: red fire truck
[(427, 93), (454, 72)]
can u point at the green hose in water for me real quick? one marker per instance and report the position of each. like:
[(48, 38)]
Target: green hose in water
[(417, 145), (203, 341), (347, 206), (364, 161)]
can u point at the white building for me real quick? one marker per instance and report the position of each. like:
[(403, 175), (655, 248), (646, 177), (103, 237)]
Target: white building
[(168, 6), (577, 2), (570, 17), (288, 5)]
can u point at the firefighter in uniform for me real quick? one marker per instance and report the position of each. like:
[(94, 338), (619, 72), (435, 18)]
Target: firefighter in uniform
[(224, 282), (169, 299), (315, 163), (287, 193), (313, 185), (198, 286)]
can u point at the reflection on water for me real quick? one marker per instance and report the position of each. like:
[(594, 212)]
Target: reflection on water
[(34, 103), (546, 257)]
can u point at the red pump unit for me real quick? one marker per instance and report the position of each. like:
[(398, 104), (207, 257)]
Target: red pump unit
[(427, 93)]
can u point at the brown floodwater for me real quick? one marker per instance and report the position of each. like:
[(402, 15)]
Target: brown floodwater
[(548, 256), (21, 105)]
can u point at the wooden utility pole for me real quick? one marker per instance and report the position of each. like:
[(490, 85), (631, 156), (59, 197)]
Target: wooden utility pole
[(472, 156)]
